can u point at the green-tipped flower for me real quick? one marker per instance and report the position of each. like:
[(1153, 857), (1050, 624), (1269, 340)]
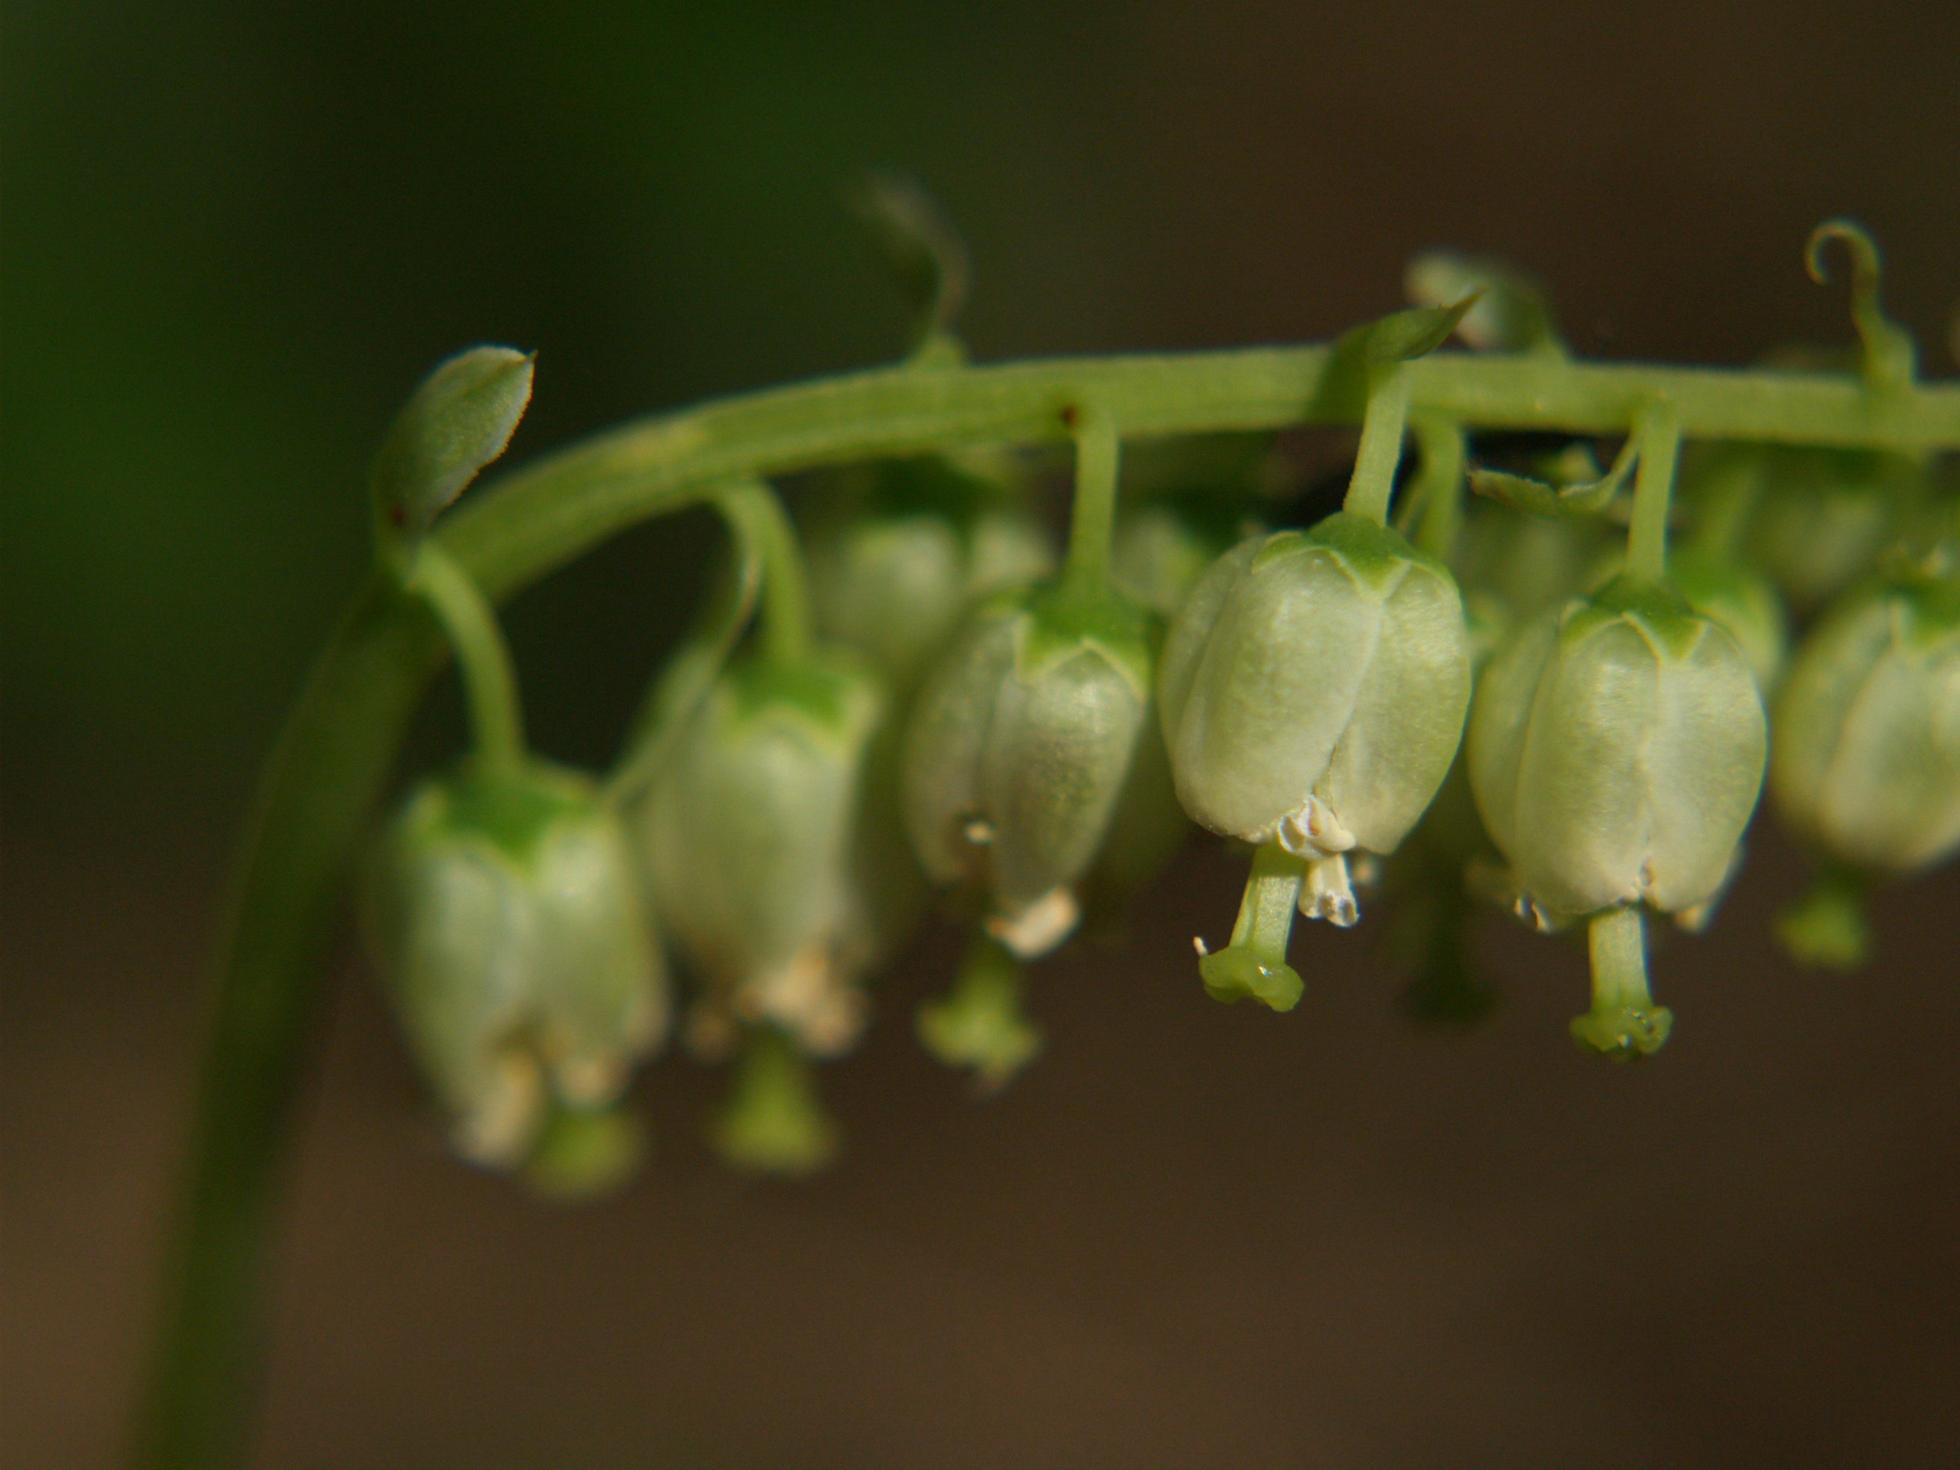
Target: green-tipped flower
[(755, 836), (1616, 751), (507, 918), (1019, 749), (896, 570), (1867, 757), (1313, 692)]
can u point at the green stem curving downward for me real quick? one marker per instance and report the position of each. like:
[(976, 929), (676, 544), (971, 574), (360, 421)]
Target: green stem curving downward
[(1659, 436), (489, 679), (338, 747)]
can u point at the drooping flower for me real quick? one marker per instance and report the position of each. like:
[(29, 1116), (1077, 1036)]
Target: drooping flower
[(507, 918), (1866, 762), (757, 842), (1019, 750), (1313, 692), (1616, 752)]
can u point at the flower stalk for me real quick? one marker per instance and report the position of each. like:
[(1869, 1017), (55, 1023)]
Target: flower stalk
[(337, 750)]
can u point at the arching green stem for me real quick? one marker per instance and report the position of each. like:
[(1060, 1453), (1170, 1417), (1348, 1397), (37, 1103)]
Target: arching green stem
[(333, 759), (1659, 431), (489, 678), (786, 617), (1381, 443), (1092, 518), (690, 671)]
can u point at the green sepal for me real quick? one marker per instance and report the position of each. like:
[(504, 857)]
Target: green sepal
[(829, 690), (1378, 555), (458, 420), (1559, 498), (513, 812), (1663, 616), (1064, 621)]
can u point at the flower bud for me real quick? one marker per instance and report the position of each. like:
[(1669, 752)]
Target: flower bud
[(1616, 751), (892, 573), (1867, 758), (1164, 546), (1019, 748), (507, 918), (1313, 691), (1823, 515), (754, 834)]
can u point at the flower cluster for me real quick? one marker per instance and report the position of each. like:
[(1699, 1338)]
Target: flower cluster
[(1503, 695)]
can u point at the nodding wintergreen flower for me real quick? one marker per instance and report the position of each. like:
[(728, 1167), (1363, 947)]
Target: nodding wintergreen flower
[(1019, 750), (507, 918), (1313, 691), (1866, 762), (894, 570), (1616, 752), (755, 835)]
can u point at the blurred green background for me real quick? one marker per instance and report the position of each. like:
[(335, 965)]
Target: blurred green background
[(234, 235)]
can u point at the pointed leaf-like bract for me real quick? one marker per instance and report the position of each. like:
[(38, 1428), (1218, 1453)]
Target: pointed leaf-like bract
[(1555, 500), (1512, 314), (457, 421)]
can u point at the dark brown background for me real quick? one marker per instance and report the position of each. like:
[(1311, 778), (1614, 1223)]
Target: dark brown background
[(1191, 1236)]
